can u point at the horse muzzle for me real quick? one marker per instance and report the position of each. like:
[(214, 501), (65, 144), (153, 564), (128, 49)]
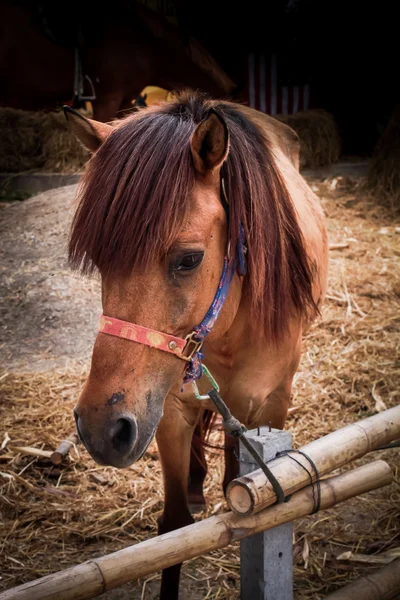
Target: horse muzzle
[(117, 443)]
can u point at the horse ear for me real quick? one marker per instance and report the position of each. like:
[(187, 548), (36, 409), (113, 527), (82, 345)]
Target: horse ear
[(210, 143), (91, 133)]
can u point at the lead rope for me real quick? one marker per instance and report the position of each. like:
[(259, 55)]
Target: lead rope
[(235, 428), (315, 485)]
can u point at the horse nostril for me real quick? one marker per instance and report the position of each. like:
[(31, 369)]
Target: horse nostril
[(123, 434)]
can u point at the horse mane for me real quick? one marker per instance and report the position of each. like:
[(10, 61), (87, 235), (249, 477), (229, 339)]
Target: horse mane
[(135, 196)]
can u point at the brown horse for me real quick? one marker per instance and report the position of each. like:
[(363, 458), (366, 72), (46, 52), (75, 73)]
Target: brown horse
[(161, 228), (122, 50)]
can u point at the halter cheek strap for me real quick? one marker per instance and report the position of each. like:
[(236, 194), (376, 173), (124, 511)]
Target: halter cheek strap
[(194, 369)]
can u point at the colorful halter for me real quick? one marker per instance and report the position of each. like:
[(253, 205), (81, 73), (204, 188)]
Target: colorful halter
[(189, 348)]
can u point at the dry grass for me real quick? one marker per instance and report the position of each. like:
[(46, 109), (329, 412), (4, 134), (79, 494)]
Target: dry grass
[(320, 143), (53, 518), (32, 141)]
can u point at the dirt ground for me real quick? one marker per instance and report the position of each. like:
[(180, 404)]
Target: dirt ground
[(49, 314), (55, 518)]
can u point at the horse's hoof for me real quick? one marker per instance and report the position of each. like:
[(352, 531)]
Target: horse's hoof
[(196, 501)]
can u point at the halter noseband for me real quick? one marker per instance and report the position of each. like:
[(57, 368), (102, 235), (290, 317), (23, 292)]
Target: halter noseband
[(188, 348)]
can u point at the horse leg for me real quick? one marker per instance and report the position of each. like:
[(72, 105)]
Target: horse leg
[(198, 464), (231, 452), (197, 472), (174, 437)]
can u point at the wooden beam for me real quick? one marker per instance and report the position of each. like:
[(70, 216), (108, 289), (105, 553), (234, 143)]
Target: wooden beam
[(64, 447)]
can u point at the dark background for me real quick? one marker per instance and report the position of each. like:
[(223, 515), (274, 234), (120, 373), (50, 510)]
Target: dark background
[(348, 51)]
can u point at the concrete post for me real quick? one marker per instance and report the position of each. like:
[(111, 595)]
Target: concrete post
[(266, 559)]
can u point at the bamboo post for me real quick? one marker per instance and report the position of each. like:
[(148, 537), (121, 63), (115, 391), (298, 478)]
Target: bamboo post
[(107, 572), (253, 492), (383, 584), (266, 558), (64, 447)]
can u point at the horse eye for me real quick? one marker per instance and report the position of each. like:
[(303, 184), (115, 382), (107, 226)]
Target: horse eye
[(188, 262)]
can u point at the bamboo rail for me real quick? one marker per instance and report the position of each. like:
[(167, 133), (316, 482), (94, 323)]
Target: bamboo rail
[(252, 493), (383, 584), (96, 576)]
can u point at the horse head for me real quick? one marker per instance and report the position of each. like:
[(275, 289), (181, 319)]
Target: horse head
[(152, 222)]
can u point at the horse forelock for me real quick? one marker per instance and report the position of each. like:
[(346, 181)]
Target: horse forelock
[(136, 192)]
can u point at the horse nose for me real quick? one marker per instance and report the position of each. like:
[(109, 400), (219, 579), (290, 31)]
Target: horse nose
[(123, 434), (114, 443)]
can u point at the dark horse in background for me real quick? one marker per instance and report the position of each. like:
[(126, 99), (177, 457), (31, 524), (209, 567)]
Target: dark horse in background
[(121, 50)]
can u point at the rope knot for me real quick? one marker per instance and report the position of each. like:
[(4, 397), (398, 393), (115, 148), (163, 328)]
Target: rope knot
[(233, 427)]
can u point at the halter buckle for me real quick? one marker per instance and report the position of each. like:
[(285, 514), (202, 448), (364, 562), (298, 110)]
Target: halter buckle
[(191, 347)]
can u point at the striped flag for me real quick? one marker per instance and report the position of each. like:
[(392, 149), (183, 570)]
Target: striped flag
[(265, 92)]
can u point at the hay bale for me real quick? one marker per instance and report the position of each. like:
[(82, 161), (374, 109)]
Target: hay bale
[(38, 141), (21, 147), (63, 153), (320, 143), (383, 177)]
